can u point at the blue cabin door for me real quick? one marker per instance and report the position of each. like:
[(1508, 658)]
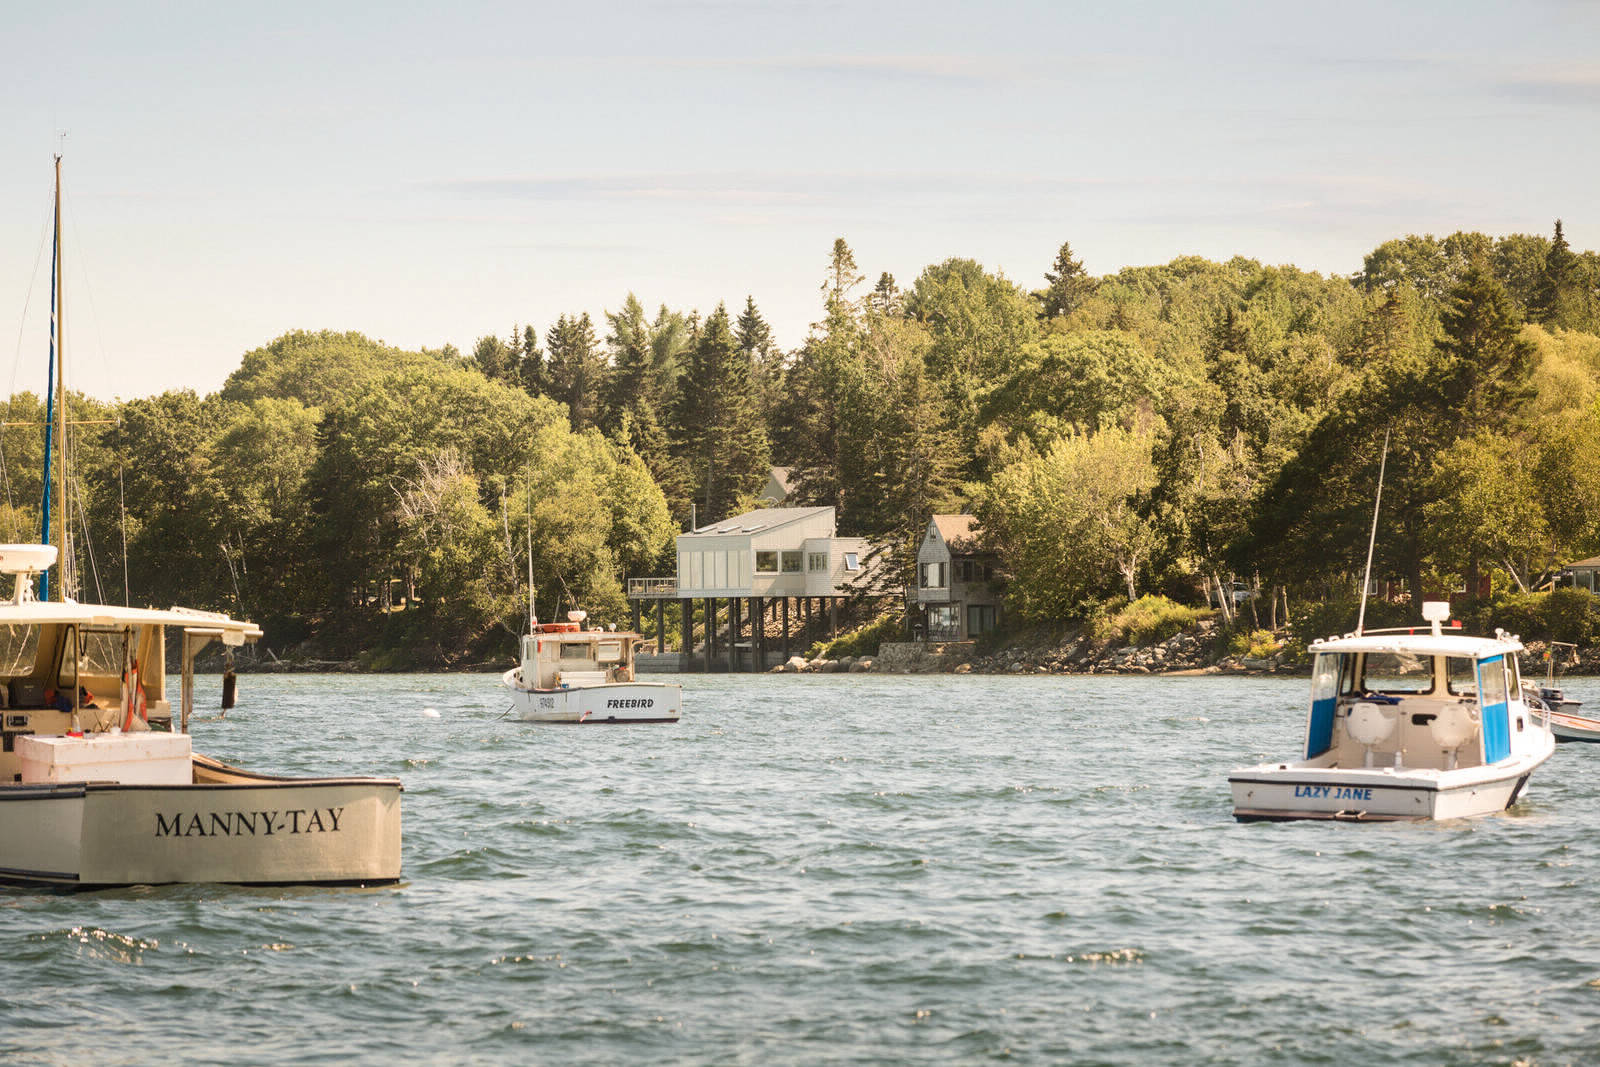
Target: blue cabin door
[(1492, 698), (1324, 696)]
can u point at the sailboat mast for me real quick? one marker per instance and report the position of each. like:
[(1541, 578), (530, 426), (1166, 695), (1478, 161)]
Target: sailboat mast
[(63, 505), (50, 379)]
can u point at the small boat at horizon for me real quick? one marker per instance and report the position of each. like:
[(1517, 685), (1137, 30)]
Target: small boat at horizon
[(570, 674), (1405, 725)]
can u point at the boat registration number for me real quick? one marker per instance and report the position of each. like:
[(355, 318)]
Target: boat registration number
[(1333, 792), (547, 702)]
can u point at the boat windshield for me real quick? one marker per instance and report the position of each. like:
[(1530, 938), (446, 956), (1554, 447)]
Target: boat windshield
[(1397, 672), (19, 647), (1462, 674)]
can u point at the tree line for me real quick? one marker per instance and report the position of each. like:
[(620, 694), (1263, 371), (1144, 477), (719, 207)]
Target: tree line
[(1152, 430)]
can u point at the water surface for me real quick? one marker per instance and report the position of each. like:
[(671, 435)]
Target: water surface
[(837, 869)]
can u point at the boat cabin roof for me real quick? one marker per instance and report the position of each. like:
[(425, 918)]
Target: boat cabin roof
[(1421, 644), (58, 612), (546, 633)]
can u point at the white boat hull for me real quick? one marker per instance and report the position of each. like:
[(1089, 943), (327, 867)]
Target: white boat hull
[(228, 826), (1569, 727), (614, 703), (1279, 792)]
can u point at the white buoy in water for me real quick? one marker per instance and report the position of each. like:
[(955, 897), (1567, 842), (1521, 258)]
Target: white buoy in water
[(430, 713)]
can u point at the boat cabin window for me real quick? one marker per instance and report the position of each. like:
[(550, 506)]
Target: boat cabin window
[(1397, 672), (576, 650), (1492, 675), (100, 652), (1462, 675), (1331, 676), (19, 648), (609, 651)]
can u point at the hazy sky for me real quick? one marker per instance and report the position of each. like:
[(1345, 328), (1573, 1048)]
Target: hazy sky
[(427, 174)]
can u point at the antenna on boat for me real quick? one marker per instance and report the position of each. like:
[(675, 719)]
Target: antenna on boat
[(1366, 579), (533, 617)]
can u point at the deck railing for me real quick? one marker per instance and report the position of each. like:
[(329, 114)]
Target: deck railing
[(652, 588)]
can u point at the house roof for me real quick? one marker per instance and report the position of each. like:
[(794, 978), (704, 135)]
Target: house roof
[(958, 531), (757, 521), (1592, 561), (781, 475)]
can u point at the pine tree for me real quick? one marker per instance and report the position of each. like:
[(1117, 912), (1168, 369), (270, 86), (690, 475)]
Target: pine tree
[(576, 369), (727, 447), (642, 388), (843, 276), (1484, 373), (531, 370), (495, 358), (754, 338), (1558, 301), (827, 368), (885, 298), (1069, 285)]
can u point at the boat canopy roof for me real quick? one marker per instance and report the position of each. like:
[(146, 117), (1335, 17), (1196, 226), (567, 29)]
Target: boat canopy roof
[(62, 612), (1421, 644)]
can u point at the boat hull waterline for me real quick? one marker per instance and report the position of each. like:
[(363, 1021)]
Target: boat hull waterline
[(1275, 792), (612, 704), (229, 826)]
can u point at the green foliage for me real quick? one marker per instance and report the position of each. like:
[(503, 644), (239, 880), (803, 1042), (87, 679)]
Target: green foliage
[(862, 641), (1255, 644), (1148, 620), (725, 440), (1158, 428), (318, 369), (1557, 615), (1068, 520)]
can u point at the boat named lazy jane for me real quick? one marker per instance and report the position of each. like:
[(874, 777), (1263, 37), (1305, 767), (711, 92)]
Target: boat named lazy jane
[(569, 674), (1405, 725)]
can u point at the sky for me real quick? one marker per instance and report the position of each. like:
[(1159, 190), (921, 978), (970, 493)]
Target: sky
[(427, 174)]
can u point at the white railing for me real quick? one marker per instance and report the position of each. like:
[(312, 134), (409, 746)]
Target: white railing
[(652, 588)]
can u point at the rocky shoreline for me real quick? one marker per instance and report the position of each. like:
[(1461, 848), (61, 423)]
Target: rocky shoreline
[(1193, 651)]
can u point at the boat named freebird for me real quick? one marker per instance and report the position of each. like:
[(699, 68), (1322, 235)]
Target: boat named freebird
[(570, 674), (1405, 725)]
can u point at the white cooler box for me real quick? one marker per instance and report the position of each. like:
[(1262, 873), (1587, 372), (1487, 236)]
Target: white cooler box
[(131, 759)]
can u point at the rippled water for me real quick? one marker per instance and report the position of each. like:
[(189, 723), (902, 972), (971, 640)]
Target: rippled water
[(837, 869)]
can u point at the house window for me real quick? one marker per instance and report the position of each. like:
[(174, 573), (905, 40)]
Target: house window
[(852, 562), (943, 622), (766, 563), (791, 562), (980, 619), (933, 575), (816, 562)]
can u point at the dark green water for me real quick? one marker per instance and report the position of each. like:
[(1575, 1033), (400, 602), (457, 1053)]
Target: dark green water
[(830, 869)]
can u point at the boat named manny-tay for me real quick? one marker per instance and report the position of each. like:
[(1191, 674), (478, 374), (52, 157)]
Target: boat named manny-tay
[(91, 796), (1405, 725), (569, 674)]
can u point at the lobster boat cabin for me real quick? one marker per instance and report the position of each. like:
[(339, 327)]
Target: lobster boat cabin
[(572, 674), (1405, 725), (100, 785)]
